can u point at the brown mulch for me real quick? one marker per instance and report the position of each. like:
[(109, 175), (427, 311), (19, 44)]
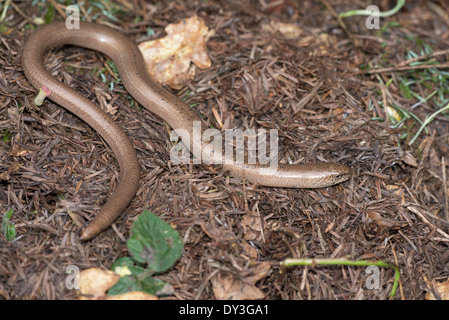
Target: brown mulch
[(55, 171)]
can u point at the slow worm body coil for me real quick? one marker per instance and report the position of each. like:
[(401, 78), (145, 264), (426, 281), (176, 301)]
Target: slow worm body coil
[(137, 81)]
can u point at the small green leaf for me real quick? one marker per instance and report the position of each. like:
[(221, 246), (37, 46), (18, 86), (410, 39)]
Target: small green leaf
[(154, 242), (8, 213), (155, 247), (149, 285), (6, 135), (8, 229), (122, 262)]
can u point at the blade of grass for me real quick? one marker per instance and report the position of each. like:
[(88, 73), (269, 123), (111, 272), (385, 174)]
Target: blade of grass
[(428, 120)]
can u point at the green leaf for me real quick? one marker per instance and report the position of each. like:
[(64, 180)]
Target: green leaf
[(123, 262), (50, 15), (8, 229), (6, 135), (137, 279), (154, 242), (149, 285)]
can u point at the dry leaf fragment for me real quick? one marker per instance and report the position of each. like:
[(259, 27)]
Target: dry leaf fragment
[(385, 222), (288, 30), (253, 227), (441, 288), (103, 98), (259, 272), (94, 283), (218, 234), (248, 251), (14, 166), (169, 59), (340, 113), (225, 287), (397, 190), (410, 159), (18, 151)]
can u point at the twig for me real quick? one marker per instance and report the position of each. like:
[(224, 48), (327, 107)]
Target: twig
[(336, 15), (57, 7), (22, 14), (423, 57), (343, 261), (404, 68), (439, 11)]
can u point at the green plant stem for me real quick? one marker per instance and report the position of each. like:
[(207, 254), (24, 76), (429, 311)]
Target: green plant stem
[(428, 120), (343, 261), (388, 13)]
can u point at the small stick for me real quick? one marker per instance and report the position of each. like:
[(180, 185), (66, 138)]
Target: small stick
[(343, 261)]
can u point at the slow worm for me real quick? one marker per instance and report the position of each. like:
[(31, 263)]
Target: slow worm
[(137, 81)]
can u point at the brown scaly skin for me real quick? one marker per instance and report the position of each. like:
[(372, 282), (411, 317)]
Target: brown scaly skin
[(131, 67)]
